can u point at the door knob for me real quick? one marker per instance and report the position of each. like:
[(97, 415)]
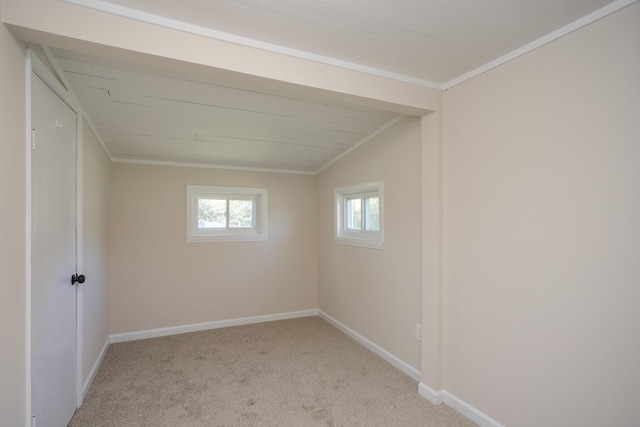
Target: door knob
[(77, 279)]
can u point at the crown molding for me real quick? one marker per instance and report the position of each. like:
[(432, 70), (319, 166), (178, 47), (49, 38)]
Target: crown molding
[(207, 166), (554, 35)]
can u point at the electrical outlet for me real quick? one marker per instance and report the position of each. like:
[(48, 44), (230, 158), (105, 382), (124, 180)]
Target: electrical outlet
[(418, 331)]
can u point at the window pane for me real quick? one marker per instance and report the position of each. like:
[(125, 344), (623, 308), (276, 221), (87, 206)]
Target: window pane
[(212, 213), (354, 214), (372, 212), (225, 214), (240, 213)]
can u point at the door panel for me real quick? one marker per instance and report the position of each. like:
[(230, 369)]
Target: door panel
[(53, 257)]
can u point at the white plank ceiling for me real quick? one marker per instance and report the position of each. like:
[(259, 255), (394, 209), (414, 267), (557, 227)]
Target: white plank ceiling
[(145, 115), (149, 117)]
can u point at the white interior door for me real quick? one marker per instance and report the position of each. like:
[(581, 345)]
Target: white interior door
[(53, 257)]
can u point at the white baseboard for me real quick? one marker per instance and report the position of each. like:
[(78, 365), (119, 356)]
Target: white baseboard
[(393, 360), (94, 369), (459, 405), (435, 397), (475, 415), (173, 330)]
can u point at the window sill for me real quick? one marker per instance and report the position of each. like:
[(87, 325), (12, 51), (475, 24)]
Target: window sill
[(230, 238), (364, 243)]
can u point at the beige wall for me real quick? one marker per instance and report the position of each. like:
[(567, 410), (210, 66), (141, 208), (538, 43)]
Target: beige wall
[(542, 232), (156, 279), (95, 246), (376, 292), (541, 228), (12, 231)]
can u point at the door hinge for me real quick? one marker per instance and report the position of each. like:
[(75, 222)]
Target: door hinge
[(33, 139), (33, 420)]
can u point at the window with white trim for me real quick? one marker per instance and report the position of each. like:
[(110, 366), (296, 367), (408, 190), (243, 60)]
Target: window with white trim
[(359, 215), (218, 214)]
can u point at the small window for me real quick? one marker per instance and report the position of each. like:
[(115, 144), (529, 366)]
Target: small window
[(226, 213), (359, 218)]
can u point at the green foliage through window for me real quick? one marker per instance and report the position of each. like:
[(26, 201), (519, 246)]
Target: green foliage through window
[(225, 213)]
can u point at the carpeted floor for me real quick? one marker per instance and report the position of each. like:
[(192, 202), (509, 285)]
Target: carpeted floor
[(300, 372)]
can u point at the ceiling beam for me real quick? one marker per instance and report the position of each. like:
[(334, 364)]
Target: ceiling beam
[(76, 28)]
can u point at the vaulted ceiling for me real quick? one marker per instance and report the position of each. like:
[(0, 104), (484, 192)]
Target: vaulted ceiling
[(147, 116), (151, 115)]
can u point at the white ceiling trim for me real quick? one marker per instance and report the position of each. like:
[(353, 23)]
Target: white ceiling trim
[(554, 35), (65, 83), (149, 18), (366, 139), (209, 166)]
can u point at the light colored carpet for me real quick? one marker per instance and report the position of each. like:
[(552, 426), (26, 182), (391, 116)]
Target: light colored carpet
[(300, 372)]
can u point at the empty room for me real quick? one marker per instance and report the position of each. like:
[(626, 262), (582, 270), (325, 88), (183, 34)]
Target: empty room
[(319, 213)]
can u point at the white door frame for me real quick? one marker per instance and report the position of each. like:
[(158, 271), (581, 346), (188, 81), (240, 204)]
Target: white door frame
[(33, 64)]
